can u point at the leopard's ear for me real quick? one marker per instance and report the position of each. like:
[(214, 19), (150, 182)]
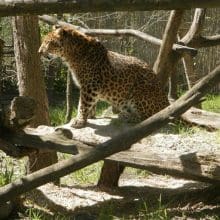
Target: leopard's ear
[(59, 31), (55, 27)]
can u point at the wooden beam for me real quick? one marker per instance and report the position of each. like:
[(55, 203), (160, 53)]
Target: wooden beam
[(200, 166), (209, 120), (24, 7), (122, 141)]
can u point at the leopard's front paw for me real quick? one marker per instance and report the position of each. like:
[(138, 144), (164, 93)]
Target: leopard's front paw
[(77, 123)]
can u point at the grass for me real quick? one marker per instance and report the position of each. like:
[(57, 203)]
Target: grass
[(6, 173), (160, 212), (181, 128), (57, 113), (109, 211), (212, 103)]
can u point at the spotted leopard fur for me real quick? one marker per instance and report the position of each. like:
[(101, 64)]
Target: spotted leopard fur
[(125, 82)]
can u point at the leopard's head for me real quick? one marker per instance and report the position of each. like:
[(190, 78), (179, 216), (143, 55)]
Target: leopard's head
[(65, 39), (53, 43)]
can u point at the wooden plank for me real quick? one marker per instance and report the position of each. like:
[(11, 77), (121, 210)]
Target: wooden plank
[(24, 7), (202, 118), (197, 165)]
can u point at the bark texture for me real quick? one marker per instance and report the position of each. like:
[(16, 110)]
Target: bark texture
[(18, 7), (166, 60), (30, 78)]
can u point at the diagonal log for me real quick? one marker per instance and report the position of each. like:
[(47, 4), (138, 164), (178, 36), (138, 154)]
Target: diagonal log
[(122, 141), (56, 141)]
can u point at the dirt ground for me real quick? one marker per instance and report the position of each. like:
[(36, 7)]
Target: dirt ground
[(182, 199)]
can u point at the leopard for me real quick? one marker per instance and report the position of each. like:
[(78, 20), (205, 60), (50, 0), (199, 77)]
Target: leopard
[(125, 82)]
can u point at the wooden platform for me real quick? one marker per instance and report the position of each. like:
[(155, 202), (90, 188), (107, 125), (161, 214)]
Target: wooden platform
[(194, 163), (202, 118)]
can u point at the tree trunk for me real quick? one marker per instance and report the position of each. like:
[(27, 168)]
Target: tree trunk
[(110, 174), (69, 97), (30, 78)]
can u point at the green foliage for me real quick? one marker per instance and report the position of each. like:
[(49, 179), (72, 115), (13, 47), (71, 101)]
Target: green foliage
[(60, 80), (44, 29), (101, 106), (6, 174), (106, 213), (57, 115), (137, 172), (86, 176), (180, 127), (212, 103), (159, 213), (35, 214)]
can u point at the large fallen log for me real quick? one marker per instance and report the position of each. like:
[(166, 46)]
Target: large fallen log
[(15, 117), (120, 142), (18, 7)]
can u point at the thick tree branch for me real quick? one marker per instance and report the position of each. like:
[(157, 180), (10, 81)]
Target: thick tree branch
[(121, 142), (194, 37), (56, 141), (18, 7), (196, 26), (205, 41), (164, 64)]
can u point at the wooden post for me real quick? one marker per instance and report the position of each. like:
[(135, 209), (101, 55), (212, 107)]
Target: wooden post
[(110, 174)]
